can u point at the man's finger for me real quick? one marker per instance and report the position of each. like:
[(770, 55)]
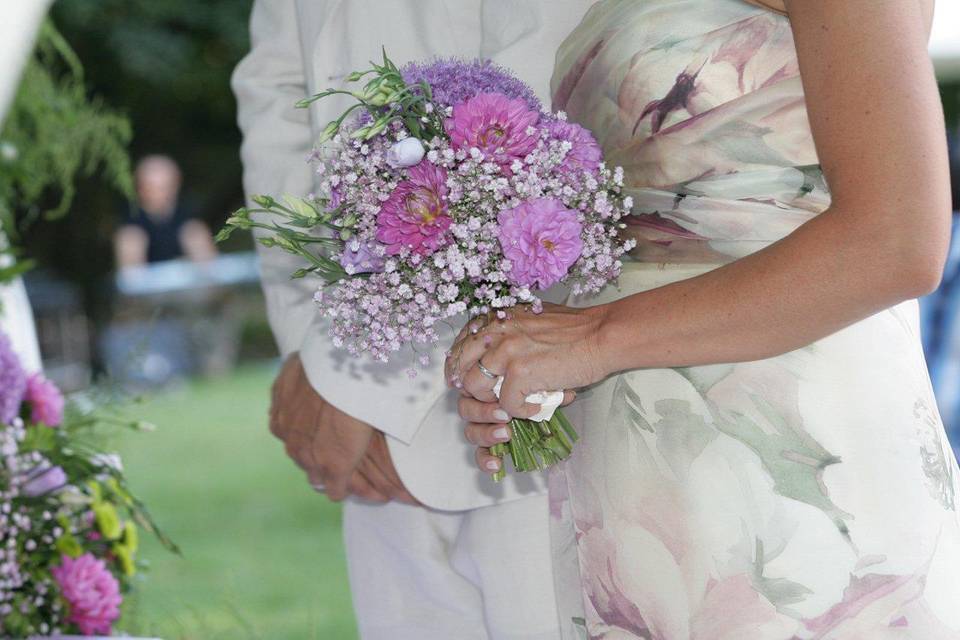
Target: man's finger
[(377, 479), (378, 456), (361, 487), (337, 487)]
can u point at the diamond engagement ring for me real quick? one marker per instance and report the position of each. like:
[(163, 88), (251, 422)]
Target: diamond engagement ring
[(486, 372)]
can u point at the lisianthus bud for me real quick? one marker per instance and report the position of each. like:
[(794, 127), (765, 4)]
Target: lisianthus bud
[(378, 127), (328, 132), (377, 100), (405, 153), (360, 133)]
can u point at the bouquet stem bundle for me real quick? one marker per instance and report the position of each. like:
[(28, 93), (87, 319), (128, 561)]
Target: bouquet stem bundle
[(535, 446)]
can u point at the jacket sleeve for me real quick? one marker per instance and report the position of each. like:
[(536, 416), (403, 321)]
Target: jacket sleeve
[(277, 138)]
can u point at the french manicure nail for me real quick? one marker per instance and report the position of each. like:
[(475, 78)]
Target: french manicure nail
[(500, 414), (493, 465), (501, 434)]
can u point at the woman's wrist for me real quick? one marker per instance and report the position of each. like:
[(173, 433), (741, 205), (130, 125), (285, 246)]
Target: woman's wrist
[(608, 348)]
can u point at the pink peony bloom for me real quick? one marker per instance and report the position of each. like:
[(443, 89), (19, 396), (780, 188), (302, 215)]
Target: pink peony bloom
[(496, 125), (46, 401), (585, 154), (415, 214), (541, 238), (91, 591)]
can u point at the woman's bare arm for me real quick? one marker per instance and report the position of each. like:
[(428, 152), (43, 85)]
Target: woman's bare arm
[(878, 125)]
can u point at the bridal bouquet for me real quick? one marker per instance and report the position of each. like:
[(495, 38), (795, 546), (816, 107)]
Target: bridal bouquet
[(68, 524), (448, 192)]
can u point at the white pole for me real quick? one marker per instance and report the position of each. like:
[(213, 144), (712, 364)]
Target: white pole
[(945, 39), (18, 29)]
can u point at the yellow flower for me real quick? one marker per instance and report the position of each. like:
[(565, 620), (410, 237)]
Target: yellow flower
[(125, 558), (108, 522), (131, 539)]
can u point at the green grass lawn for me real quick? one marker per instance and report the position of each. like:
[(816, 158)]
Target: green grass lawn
[(262, 553)]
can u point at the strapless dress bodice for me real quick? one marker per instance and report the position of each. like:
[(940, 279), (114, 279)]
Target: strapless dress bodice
[(701, 103)]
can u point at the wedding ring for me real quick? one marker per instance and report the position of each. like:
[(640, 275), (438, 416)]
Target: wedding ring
[(486, 372), (319, 488)]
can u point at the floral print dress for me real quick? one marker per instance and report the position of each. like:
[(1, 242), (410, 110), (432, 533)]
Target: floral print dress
[(808, 496)]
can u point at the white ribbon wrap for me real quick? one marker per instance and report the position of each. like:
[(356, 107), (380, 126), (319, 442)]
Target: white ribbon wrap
[(549, 401)]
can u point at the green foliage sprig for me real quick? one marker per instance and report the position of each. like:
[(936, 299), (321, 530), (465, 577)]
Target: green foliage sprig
[(387, 98), (298, 215), (55, 134)]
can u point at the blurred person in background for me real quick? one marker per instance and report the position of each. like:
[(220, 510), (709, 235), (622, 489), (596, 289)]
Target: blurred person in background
[(160, 227), (940, 315)]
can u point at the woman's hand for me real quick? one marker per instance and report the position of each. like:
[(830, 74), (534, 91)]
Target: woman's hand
[(487, 425), (556, 349)]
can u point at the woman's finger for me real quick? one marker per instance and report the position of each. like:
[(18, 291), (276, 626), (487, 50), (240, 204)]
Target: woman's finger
[(473, 410), (513, 396), (487, 463), (478, 385), (475, 346), (487, 435)]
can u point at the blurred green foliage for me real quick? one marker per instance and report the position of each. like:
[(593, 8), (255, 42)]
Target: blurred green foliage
[(166, 65), (54, 134)]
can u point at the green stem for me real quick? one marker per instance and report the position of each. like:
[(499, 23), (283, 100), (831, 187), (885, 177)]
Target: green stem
[(536, 445)]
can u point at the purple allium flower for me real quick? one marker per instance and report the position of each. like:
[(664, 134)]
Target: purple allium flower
[(541, 239), (494, 124), (44, 480), (585, 154), (13, 381), (360, 257), (415, 214), (46, 401), (453, 81), (91, 591)]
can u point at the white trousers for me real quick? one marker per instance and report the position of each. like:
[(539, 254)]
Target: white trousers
[(421, 574)]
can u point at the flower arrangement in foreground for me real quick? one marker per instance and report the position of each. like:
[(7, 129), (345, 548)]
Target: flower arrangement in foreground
[(449, 194), (68, 523)]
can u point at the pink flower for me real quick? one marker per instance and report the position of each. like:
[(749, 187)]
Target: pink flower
[(46, 401), (496, 125), (585, 155), (415, 214), (91, 592), (541, 239)]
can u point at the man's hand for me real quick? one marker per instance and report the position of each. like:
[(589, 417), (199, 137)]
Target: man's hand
[(343, 455)]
